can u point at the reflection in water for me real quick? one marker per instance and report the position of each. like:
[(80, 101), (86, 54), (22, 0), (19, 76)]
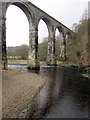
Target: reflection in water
[(65, 94), (51, 90)]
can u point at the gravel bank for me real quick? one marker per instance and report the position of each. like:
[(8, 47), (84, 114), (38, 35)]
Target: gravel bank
[(0, 94), (18, 91)]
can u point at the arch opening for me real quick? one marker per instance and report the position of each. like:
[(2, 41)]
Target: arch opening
[(23, 7), (42, 41), (59, 44), (17, 35)]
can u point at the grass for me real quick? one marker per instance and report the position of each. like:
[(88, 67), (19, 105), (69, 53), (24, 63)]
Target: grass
[(83, 68), (65, 63)]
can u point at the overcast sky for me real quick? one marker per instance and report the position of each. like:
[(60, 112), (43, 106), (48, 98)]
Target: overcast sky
[(65, 11)]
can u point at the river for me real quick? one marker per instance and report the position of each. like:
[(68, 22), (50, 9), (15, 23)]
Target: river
[(65, 94)]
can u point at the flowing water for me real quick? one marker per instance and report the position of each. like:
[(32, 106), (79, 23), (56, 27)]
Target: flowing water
[(65, 94)]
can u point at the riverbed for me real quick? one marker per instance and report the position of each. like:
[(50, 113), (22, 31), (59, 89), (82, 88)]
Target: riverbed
[(65, 94)]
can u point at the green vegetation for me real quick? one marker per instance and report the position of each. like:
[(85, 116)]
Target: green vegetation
[(18, 52), (77, 47), (14, 57), (43, 48), (77, 51)]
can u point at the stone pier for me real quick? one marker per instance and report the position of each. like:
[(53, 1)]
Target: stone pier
[(34, 15)]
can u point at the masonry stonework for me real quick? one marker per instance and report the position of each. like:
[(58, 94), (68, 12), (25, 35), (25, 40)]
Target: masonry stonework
[(34, 15)]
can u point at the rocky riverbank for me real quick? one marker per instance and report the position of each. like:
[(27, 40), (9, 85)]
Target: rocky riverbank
[(18, 91)]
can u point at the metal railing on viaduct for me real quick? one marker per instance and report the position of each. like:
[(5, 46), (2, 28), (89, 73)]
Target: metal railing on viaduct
[(34, 15)]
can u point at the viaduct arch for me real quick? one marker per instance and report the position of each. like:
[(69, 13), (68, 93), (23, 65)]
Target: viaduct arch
[(34, 15)]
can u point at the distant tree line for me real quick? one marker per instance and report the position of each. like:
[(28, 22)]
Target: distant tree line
[(18, 52), (21, 52), (77, 50)]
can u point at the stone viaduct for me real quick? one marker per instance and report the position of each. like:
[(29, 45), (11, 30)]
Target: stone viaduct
[(34, 15)]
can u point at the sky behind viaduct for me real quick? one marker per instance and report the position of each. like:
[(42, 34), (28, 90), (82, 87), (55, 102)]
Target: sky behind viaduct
[(65, 11)]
